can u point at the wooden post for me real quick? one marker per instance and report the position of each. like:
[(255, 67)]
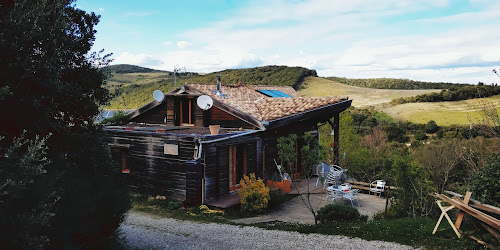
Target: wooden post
[(386, 202), (336, 137), (460, 216)]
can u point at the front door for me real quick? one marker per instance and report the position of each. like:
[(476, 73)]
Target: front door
[(237, 165)]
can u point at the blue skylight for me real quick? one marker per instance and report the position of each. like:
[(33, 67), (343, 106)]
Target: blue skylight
[(273, 93)]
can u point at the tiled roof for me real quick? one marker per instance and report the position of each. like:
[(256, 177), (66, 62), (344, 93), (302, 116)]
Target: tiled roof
[(246, 99)]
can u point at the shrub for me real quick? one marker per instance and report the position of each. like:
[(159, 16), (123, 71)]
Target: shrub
[(431, 127), (254, 194), (485, 184), (339, 212), (420, 135), (118, 118)]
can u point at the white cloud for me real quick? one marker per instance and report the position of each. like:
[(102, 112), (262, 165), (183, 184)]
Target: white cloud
[(356, 38), (183, 44)]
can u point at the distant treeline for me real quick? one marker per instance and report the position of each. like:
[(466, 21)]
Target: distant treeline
[(391, 83), (126, 68), (267, 75), (455, 93)]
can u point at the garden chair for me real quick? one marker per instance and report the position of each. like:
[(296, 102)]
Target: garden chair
[(334, 195), (352, 196), (377, 187), (322, 171), (284, 176), (333, 177)]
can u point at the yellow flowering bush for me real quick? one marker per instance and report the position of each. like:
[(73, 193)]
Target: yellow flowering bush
[(254, 194)]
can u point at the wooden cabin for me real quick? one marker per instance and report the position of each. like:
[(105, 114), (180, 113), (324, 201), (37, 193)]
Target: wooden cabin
[(168, 149)]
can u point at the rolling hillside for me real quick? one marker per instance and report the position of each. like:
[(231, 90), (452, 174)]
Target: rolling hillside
[(132, 87), (316, 86), (443, 113)]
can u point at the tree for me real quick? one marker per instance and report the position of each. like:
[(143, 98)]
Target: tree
[(485, 183), (50, 84), (440, 159), (286, 150), (312, 153), (431, 127)]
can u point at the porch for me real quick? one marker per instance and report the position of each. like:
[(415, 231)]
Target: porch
[(295, 211)]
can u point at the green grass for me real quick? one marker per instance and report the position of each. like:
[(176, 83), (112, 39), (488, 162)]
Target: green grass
[(416, 232)]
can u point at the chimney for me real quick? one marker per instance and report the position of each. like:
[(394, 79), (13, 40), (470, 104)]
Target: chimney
[(219, 87)]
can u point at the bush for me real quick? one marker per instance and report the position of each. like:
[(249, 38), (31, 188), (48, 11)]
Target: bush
[(420, 135), (431, 127), (339, 212), (254, 194), (118, 118), (485, 184)]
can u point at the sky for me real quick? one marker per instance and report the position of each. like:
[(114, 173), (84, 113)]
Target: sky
[(428, 40)]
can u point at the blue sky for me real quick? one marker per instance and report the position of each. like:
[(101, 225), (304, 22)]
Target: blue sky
[(431, 40)]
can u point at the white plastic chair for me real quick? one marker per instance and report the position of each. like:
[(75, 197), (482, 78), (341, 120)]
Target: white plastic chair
[(333, 194), (377, 187), (352, 196)]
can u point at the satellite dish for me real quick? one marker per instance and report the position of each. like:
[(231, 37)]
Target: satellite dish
[(158, 95), (205, 102)]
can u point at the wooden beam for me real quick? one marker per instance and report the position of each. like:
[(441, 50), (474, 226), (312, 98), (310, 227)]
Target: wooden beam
[(444, 211), (460, 215), (478, 205), (336, 125), (491, 221)]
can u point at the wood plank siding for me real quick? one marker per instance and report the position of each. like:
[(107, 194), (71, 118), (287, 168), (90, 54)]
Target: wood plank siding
[(151, 171)]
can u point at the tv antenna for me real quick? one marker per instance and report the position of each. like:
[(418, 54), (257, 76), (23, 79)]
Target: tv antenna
[(205, 102), (176, 71), (158, 95)]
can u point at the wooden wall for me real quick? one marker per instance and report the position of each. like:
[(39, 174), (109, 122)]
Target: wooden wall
[(154, 115), (216, 159), (220, 117), (151, 171)]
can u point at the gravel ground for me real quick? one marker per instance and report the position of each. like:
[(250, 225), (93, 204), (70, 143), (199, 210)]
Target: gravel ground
[(143, 231)]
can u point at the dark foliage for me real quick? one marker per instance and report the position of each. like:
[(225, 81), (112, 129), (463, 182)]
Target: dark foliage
[(49, 84), (267, 75), (431, 127), (420, 135), (391, 83), (118, 118), (455, 93), (127, 68), (485, 184), (339, 212)]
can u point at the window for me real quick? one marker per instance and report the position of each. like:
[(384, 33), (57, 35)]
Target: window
[(185, 111), (273, 93), (125, 170)]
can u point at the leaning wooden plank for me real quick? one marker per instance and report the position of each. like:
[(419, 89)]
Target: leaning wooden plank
[(460, 216), (491, 230), (491, 221), (483, 243), (486, 208), (477, 204)]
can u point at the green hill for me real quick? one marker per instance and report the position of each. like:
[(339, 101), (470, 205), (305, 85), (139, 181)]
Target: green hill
[(127, 68), (266, 75), (133, 89)]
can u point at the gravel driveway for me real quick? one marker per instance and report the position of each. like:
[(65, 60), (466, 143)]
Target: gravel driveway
[(143, 231)]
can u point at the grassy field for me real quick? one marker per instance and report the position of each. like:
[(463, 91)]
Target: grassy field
[(443, 113), (316, 86)]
